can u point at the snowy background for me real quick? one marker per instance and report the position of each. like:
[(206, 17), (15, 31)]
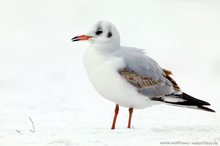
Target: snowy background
[(42, 75)]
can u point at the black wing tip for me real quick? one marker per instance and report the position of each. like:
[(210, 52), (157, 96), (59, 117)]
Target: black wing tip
[(193, 101), (206, 109), (189, 102)]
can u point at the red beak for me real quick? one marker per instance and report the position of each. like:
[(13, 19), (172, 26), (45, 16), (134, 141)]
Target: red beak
[(81, 38)]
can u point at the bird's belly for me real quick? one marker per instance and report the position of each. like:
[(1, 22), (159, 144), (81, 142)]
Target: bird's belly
[(107, 81)]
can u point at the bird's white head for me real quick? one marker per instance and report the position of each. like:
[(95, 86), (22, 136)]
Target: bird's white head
[(102, 33)]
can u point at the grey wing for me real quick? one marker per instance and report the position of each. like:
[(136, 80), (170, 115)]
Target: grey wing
[(154, 82), (146, 75)]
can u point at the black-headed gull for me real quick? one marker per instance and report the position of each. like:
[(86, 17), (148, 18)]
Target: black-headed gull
[(127, 76)]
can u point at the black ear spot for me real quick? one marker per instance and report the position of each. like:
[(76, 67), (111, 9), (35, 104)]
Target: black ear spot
[(109, 34)]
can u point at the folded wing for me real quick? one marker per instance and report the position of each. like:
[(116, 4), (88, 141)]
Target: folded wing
[(154, 82)]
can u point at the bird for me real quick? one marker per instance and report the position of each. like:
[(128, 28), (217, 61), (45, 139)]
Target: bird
[(127, 76)]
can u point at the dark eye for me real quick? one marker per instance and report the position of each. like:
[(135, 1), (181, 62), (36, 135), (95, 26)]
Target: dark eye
[(98, 32), (109, 34)]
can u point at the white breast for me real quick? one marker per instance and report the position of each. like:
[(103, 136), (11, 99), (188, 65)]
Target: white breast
[(103, 74)]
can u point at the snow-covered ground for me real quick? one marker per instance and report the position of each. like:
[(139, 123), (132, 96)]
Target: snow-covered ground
[(42, 76)]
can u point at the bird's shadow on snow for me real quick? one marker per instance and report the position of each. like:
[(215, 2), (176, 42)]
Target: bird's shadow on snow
[(183, 129), (179, 130), (158, 129)]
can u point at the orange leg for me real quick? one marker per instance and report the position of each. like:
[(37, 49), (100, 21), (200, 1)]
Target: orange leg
[(130, 116), (115, 117)]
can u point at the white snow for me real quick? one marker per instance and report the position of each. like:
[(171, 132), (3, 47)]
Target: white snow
[(42, 74)]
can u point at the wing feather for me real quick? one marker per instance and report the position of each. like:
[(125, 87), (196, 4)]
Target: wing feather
[(147, 85), (145, 74), (152, 81)]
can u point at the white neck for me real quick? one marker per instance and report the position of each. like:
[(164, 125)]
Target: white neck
[(106, 48)]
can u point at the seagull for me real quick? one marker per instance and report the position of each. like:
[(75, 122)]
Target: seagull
[(127, 76)]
